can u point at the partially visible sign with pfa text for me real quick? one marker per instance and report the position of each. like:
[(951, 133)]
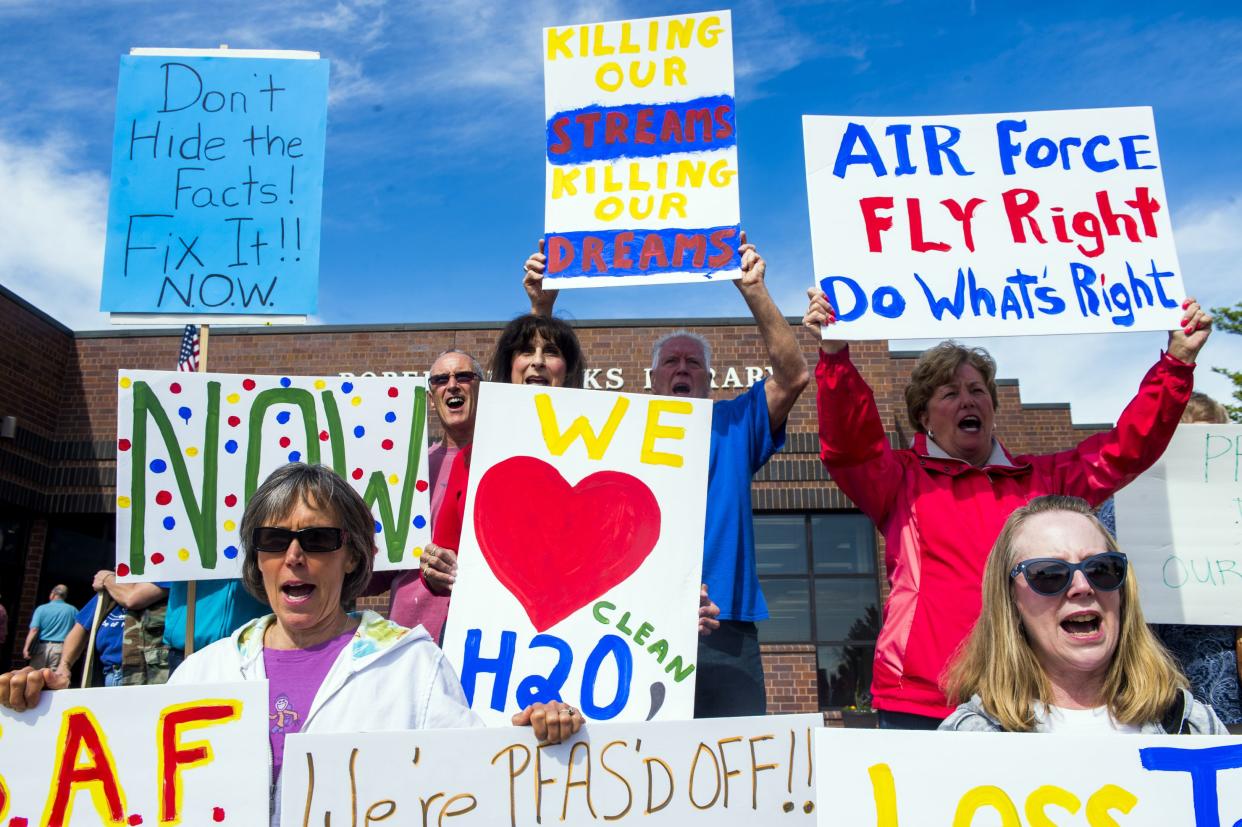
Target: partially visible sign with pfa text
[(1181, 525), (192, 755)]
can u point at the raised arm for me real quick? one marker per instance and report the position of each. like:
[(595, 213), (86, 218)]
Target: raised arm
[(541, 300), (789, 372), (853, 445), (1100, 465)]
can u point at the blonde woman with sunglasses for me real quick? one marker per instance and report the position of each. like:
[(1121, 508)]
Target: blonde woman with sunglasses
[(1061, 644)]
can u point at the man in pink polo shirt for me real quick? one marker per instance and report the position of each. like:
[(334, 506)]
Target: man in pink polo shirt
[(453, 381)]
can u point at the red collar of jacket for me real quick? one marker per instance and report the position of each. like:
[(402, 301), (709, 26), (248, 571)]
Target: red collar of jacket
[(955, 467)]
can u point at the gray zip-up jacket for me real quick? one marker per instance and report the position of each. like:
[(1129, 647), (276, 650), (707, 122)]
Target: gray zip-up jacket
[(1186, 716)]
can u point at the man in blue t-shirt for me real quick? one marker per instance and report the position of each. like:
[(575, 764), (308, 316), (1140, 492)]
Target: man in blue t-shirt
[(48, 627), (746, 432)]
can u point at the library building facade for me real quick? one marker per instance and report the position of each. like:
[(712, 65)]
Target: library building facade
[(821, 561)]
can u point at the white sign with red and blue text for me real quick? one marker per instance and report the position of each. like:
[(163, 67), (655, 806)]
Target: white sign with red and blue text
[(991, 225)]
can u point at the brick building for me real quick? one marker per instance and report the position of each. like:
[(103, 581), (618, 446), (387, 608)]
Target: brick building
[(821, 561)]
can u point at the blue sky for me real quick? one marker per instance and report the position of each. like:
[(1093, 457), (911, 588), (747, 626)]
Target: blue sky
[(433, 192)]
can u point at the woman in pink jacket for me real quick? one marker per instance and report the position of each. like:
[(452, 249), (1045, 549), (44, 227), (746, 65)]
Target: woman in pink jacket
[(941, 502)]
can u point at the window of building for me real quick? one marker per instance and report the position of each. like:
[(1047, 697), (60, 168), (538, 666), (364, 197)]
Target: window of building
[(819, 576)]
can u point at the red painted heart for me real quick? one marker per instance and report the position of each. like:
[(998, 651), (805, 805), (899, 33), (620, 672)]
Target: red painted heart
[(558, 547)]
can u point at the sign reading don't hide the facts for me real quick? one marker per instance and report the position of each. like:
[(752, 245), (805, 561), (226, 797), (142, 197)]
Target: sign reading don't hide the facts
[(193, 447), (935, 779), (991, 225), (192, 755), (719, 772), (641, 152), (1181, 525), (581, 553), (217, 183)]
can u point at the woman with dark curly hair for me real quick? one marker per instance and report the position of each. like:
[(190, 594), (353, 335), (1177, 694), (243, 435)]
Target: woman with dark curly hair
[(531, 350), (538, 350)]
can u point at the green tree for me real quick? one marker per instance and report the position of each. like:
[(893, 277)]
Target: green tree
[(1229, 319)]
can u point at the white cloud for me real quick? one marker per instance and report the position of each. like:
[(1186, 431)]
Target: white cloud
[(52, 227)]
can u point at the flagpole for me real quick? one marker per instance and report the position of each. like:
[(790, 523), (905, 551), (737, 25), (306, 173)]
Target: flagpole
[(191, 587)]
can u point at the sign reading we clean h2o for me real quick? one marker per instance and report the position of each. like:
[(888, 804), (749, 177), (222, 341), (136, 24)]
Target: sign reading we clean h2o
[(581, 554), (991, 225)]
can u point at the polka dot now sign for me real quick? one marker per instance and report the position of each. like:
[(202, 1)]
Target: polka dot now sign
[(205, 440)]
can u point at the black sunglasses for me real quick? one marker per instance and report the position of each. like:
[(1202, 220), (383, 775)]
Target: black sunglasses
[(314, 539), (463, 377), (1052, 577)]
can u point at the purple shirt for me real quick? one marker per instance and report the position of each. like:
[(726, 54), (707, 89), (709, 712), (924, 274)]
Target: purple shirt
[(294, 677)]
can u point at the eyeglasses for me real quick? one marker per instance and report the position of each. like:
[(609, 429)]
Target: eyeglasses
[(1052, 577), (463, 377), (314, 539)]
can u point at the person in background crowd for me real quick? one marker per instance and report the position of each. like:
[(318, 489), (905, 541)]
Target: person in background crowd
[(941, 502), (308, 543), (453, 380), (144, 653), (1060, 645), (49, 625), (1206, 654), (108, 642), (746, 432), (220, 607)]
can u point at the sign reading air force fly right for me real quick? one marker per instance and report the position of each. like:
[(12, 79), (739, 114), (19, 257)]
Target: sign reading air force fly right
[(991, 225)]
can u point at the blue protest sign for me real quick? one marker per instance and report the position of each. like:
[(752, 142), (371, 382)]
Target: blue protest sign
[(217, 184)]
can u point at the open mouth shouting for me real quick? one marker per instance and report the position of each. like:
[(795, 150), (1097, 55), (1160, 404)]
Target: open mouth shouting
[(1082, 625), (971, 424), (681, 388), (455, 402), (296, 591), (535, 379)]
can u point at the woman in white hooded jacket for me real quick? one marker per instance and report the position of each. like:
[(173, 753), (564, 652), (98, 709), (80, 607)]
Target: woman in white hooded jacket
[(308, 539)]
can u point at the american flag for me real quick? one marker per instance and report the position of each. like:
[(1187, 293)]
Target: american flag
[(187, 360)]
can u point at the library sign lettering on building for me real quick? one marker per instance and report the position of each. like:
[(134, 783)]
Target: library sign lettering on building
[(616, 378)]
